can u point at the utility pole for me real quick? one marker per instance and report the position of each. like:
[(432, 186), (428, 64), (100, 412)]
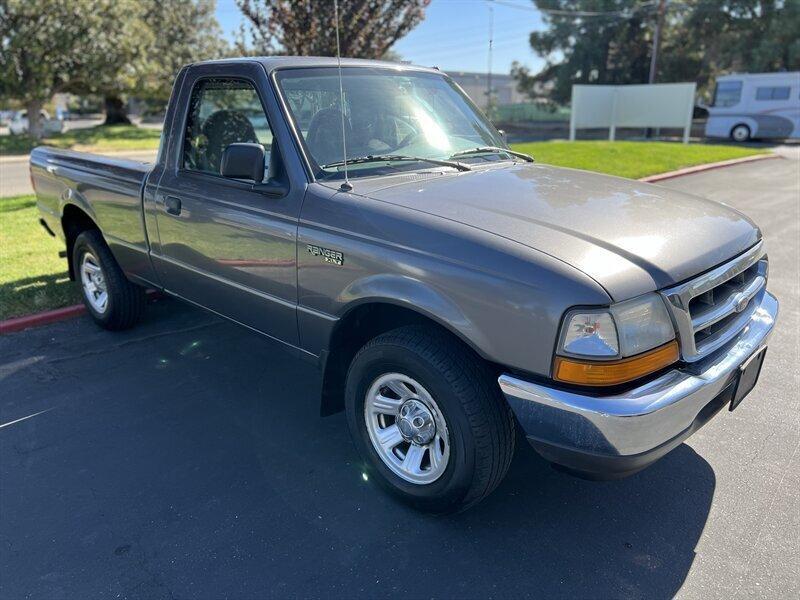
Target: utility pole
[(662, 7), (489, 104)]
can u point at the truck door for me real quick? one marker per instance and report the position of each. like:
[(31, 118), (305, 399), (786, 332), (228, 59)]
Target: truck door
[(224, 244)]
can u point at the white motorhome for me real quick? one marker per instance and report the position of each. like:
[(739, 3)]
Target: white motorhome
[(755, 105)]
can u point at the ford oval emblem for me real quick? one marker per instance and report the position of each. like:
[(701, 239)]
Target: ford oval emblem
[(741, 303)]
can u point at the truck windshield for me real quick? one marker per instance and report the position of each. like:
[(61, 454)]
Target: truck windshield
[(387, 112)]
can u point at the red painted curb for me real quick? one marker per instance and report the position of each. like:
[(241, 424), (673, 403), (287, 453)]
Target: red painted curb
[(39, 319), (708, 167), (51, 316)]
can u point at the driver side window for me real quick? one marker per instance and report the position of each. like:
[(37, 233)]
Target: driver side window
[(222, 112)]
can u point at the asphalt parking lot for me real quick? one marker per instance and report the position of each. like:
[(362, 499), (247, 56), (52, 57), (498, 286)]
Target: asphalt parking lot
[(186, 458)]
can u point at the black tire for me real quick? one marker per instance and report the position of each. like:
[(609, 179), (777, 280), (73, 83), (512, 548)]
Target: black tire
[(126, 300), (478, 419), (741, 133)]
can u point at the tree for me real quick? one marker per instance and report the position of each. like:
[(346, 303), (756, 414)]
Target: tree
[(105, 47), (115, 54), (610, 41), (367, 28), (186, 31), (738, 35), (43, 50), (151, 42)]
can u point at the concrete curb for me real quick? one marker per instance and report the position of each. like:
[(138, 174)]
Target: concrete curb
[(707, 167)]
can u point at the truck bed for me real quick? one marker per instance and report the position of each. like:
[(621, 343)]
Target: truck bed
[(107, 189)]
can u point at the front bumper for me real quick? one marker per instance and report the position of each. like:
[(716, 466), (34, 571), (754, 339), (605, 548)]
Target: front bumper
[(614, 436)]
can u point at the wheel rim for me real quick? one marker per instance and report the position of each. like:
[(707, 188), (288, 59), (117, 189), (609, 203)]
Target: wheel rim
[(407, 429), (93, 282), (740, 134)]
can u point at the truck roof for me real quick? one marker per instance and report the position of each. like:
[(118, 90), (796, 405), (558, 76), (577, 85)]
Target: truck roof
[(271, 63), (776, 75)]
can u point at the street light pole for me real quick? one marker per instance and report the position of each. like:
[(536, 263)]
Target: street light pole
[(489, 106), (662, 7)]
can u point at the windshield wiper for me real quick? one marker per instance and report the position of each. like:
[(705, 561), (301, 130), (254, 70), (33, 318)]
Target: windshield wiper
[(397, 157), (483, 149)]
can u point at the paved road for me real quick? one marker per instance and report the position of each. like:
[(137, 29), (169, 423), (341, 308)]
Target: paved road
[(15, 175), (185, 458)]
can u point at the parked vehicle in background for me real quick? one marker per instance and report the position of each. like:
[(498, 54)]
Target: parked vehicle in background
[(755, 106), (6, 116), (19, 123), (449, 290)]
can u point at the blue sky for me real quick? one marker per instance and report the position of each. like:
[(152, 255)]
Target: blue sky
[(454, 35)]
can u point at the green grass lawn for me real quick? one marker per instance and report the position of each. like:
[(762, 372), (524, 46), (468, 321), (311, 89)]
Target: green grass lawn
[(102, 138), (631, 159), (32, 276)]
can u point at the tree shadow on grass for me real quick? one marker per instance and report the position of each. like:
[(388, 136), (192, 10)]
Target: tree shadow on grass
[(36, 294), (13, 204)]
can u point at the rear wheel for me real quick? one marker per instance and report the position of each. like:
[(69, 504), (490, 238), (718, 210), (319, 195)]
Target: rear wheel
[(740, 133), (112, 301), (429, 421)]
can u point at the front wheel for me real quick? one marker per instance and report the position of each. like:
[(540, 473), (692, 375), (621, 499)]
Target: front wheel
[(428, 419)]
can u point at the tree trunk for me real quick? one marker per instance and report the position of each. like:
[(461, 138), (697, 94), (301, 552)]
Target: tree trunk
[(116, 112), (35, 124)]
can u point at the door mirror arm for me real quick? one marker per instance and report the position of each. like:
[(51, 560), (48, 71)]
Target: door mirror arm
[(272, 188)]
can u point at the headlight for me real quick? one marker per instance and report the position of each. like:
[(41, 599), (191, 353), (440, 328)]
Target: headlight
[(642, 324), (616, 344)]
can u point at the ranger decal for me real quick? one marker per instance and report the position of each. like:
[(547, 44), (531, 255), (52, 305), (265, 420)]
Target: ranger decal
[(328, 255)]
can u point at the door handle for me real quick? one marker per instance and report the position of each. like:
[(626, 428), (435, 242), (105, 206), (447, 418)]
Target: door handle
[(173, 205)]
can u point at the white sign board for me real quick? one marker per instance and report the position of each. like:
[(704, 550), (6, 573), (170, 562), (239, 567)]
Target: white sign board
[(612, 106)]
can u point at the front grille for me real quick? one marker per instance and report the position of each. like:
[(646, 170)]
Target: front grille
[(711, 309)]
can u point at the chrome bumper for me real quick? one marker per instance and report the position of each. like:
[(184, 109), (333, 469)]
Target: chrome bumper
[(641, 424)]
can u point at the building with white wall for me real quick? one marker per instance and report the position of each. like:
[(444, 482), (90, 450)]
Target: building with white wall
[(504, 88)]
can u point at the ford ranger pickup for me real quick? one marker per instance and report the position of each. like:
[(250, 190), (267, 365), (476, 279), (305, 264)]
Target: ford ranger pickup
[(454, 293)]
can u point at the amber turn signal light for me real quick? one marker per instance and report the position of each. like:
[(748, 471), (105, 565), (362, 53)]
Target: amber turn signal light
[(614, 372)]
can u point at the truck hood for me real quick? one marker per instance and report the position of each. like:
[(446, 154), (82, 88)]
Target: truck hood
[(630, 237)]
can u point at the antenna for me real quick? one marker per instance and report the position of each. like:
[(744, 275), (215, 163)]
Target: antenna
[(489, 103), (346, 186)]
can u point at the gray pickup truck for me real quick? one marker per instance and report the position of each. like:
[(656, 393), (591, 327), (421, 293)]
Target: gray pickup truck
[(451, 291)]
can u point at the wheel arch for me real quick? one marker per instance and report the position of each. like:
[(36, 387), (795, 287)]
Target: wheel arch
[(362, 321), (74, 221)]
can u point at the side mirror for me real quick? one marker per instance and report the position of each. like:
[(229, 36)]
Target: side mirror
[(243, 161), (503, 136)]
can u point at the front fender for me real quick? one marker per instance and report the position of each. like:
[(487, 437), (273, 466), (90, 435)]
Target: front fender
[(415, 295), (504, 299)]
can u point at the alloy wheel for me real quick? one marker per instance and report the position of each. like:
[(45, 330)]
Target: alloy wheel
[(407, 428)]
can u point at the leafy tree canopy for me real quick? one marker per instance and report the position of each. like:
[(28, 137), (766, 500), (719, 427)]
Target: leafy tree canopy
[(154, 39), (367, 28), (105, 47), (610, 41)]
